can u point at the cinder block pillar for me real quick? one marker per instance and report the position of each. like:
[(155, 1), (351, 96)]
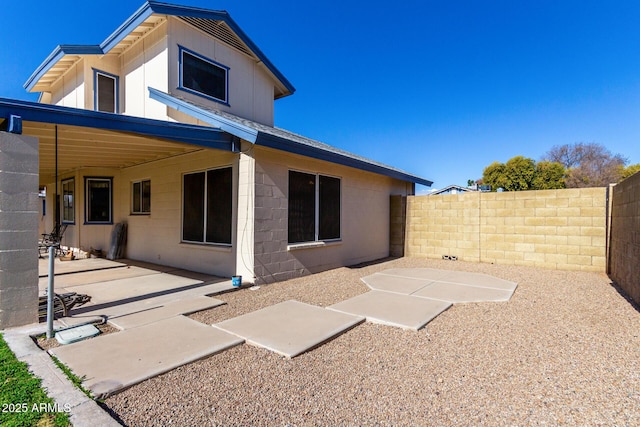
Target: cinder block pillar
[(18, 230), (398, 221)]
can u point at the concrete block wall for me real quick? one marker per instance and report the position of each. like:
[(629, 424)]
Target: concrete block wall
[(19, 217), (624, 253), (559, 229)]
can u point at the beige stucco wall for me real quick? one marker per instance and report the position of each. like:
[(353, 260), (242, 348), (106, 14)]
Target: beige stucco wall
[(153, 62), (364, 220), (560, 229), (624, 264), (250, 89), (70, 89), (155, 237), (144, 65)]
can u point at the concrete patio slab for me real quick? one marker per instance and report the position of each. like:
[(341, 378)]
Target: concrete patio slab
[(290, 327), (393, 309), (176, 308), (66, 267), (113, 362), (457, 293), (121, 289), (68, 281)]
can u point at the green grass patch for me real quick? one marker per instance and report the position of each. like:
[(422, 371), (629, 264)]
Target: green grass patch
[(23, 402), (76, 380)]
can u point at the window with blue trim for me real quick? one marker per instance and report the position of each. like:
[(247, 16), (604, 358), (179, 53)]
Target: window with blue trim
[(204, 77), (98, 200), (68, 201), (105, 92), (207, 206), (314, 207)]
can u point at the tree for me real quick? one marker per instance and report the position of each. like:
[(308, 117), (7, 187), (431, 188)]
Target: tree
[(522, 173), (494, 175), (587, 164), (630, 170), (549, 176)]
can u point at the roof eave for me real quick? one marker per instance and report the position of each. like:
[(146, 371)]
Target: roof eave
[(179, 132), (278, 143), (54, 57)]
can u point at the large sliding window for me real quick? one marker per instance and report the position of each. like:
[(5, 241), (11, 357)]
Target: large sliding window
[(203, 76), (105, 92), (68, 201), (314, 207), (207, 206), (98, 200)]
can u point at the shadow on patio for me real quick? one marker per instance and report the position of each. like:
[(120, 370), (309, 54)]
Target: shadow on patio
[(123, 287)]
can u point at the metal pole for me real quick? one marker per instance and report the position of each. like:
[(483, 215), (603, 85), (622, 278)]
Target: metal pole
[(52, 251)]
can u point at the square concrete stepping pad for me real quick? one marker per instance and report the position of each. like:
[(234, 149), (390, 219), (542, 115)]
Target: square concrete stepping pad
[(393, 309), (176, 308), (457, 293), (290, 327), (116, 361)]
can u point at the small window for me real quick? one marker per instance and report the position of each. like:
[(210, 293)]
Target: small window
[(105, 92), (141, 197), (68, 201), (203, 76), (314, 207), (207, 206), (98, 200)]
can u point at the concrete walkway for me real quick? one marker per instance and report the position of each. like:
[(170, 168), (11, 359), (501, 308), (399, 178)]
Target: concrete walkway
[(148, 303)]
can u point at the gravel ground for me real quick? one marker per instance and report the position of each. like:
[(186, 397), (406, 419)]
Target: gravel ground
[(565, 350)]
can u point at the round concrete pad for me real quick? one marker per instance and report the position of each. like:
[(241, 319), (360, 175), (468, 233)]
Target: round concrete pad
[(444, 285), (393, 309), (290, 327)]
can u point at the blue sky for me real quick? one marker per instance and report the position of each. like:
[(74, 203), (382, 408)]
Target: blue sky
[(438, 88)]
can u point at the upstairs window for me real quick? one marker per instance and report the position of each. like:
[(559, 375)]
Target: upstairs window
[(106, 92), (314, 207), (203, 76)]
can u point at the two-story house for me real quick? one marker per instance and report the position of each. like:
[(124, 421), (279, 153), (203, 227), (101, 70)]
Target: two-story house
[(167, 125)]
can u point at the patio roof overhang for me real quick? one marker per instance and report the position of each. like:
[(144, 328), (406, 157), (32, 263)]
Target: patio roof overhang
[(94, 139)]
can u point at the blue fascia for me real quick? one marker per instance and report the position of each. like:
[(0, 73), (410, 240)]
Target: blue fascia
[(148, 9), (278, 143), (190, 134), (229, 126), (55, 56)]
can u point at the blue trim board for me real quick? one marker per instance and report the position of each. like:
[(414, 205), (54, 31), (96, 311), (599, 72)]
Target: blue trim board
[(280, 143), (283, 144), (191, 134), (229, 126), (55, 56), (147, 9)]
